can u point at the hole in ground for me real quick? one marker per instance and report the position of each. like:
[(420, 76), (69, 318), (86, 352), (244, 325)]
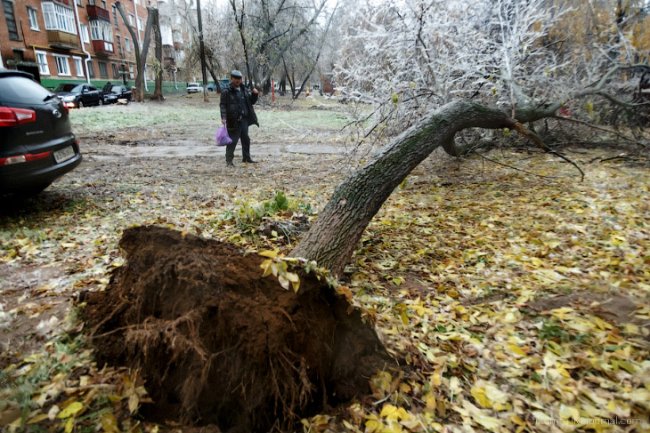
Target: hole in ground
[(218, 344)]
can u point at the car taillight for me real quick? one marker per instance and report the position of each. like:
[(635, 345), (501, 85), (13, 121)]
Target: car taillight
[(16, 116), (18, 159)]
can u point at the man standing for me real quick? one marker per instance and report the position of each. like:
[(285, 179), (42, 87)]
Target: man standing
[(237, 114)]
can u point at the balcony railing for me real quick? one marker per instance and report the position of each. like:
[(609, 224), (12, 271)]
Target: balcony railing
[(60, 39), (95, 12), (103, 48)]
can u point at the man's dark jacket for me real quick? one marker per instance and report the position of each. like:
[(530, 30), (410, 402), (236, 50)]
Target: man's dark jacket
[(230, 109)]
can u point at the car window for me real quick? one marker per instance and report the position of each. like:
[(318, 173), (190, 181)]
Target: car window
[(22, 90), (65, 87), (116, 89)]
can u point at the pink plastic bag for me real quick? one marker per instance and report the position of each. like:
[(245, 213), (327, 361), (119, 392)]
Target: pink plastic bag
[(222, 136)]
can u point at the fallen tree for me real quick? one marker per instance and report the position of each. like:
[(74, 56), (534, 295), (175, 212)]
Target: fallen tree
[(336, 233), (196, 315)]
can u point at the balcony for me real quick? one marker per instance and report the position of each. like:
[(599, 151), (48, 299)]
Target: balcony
[(97, 13), (63, 40), (103, 48)]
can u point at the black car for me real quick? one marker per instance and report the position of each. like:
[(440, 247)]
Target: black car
[(36, 140), (117, 92), (109, 98), (79, 95)]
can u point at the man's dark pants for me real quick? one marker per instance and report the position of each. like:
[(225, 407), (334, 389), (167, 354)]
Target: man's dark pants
[(240, 131)]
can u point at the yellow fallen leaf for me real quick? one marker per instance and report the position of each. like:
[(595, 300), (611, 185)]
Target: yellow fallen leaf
[(489, 396), (109, 423), (71, 410), (569, 413), (515, 350), (430, 401), (134, 402), (69, 425), (373, 425), (38, 418), (561, 313), (478, 392), (393, 412)]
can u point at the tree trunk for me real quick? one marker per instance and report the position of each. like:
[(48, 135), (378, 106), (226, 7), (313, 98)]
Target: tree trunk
[(157, 94), (140, 56), (338, 229)]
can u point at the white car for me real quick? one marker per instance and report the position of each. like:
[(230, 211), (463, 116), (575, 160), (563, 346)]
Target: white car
[(194, 88)]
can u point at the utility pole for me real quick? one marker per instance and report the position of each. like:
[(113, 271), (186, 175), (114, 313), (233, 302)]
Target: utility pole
[(202, 50)]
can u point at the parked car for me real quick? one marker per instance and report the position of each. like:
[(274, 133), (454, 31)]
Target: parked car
[(122, 92), (115, 93), (79, 95), (194, 88), (36, 140), (108, 98), (212, 87)]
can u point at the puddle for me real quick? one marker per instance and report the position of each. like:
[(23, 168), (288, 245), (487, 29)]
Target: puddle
[(202, 150)]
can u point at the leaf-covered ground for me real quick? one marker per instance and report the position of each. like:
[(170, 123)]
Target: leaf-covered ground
[(516, 300)]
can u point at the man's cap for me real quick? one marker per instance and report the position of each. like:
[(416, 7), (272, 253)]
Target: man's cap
[(235, 73)]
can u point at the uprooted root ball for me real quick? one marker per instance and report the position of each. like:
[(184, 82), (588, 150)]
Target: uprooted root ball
[(219, 344)]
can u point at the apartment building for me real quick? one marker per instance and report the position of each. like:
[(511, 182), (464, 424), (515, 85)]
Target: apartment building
[(70, 39)]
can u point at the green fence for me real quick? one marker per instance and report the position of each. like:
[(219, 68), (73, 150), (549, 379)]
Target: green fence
[(169, 87)]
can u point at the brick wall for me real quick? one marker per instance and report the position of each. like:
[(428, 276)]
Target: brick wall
[(36, 45)]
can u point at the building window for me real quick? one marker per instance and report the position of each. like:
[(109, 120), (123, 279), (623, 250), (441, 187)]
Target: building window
[(118, 40), (8, 7), (103, 70), (33, 18), (91, 69), (79, 66), (84, 33), (101, 30), (41, 59), (127, 44), (79, 3), (58, 17), (91, 2), (131, 72), (62, 66), (103, 4), (116, 74), (115, 15)]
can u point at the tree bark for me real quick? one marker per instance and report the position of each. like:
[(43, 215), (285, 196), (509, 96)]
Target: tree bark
[(338, 229), (157, 94), (140, 56)]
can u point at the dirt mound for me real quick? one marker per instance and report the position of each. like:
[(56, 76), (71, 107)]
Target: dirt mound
[(219, 344)]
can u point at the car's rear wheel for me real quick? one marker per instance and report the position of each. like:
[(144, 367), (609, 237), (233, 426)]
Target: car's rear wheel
[(80, 104)]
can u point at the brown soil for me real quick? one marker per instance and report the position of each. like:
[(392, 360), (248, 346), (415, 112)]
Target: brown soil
[(219, 344)]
